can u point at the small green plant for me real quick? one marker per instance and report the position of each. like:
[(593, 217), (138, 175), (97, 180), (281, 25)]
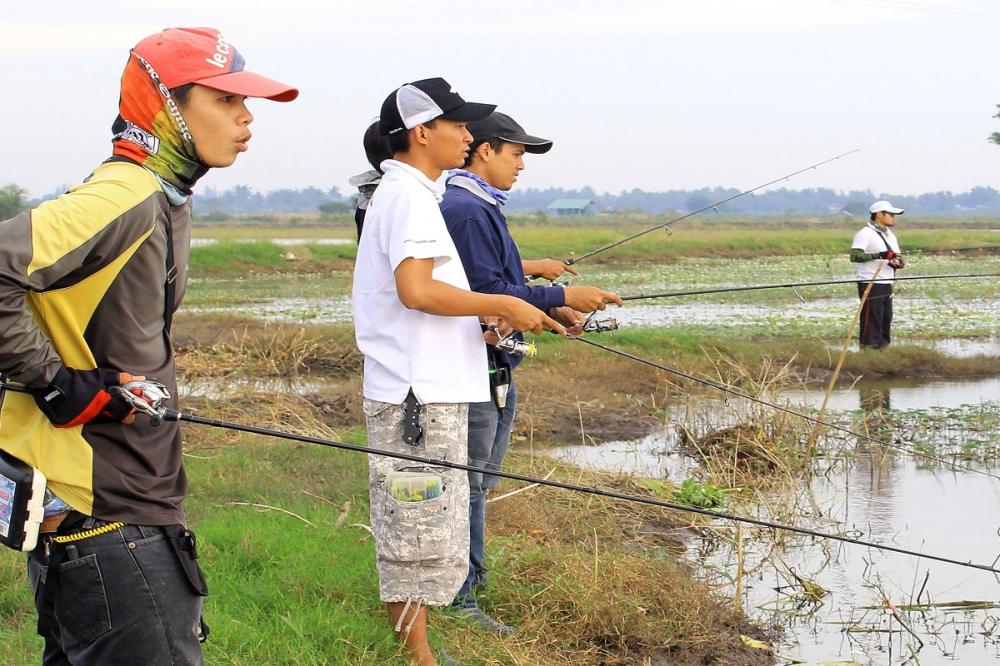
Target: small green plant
[(703, 494)]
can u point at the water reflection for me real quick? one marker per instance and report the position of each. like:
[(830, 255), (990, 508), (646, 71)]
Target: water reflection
[(879, 496), (876, 419)]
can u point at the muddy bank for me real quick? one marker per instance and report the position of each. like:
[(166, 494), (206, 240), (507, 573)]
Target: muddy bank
[(568, 394)]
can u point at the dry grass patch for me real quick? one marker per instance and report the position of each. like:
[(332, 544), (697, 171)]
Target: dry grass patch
[(269, 350), (593, 580)]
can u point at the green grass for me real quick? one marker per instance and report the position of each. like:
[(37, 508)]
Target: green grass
[(699, 237), (745, 238), (282, 591), (262, 256)]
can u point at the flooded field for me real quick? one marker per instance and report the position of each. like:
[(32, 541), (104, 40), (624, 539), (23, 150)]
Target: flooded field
[(937, 309), (829, 598)]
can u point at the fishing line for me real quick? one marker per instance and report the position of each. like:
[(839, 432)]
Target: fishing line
[(174, 415), (158, 417), (792, 285), (570, 262), (167, 414), (806, 417)]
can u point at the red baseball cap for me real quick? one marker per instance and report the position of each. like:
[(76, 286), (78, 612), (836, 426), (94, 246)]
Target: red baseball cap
[(204, 56)]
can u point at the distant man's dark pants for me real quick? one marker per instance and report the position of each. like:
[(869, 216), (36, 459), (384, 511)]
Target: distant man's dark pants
[(876, 315)]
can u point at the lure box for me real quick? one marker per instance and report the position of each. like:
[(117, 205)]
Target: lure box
[(22, 493), (413, 486)]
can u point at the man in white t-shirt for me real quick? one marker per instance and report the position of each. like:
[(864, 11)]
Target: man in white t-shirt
[(876, 252), (417, 323)]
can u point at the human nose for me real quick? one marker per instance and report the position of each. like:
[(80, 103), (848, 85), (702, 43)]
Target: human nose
[(244, 116), (466, 136)]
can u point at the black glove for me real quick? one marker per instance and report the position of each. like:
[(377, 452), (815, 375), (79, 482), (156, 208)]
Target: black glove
[(76, 397), (887, 254), (896, 262)]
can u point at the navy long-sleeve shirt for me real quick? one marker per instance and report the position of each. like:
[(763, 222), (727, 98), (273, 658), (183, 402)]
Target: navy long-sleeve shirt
[(490, 256)]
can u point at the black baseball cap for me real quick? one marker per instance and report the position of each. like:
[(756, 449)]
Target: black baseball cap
[(428, 99), (501, 126)]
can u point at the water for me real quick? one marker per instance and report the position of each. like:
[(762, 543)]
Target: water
[(978, 319), (896, 500), (901, 394), (965, 347), (283, 310)]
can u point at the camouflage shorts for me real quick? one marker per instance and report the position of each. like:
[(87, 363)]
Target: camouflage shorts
[(421, 547)]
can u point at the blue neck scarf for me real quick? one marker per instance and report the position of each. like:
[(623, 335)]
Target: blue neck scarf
[(499, 195)]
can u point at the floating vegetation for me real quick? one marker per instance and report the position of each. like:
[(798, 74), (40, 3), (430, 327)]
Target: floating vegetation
[(703, 494), (967, 432)]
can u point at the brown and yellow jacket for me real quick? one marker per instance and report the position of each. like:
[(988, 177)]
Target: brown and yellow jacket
[(83, 283)]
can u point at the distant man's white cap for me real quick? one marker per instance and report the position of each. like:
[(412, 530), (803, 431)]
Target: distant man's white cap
[(884, 206)]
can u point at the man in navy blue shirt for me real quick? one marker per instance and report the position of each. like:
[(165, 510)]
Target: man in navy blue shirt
[(473, 212)]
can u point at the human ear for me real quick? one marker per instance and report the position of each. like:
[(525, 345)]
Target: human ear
[(420, 134)]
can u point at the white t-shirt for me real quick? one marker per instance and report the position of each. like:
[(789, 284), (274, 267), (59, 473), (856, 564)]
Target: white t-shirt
[(443, 359), (869, 239)]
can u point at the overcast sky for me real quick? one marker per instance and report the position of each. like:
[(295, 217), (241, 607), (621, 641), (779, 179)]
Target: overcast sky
[(657, 94)]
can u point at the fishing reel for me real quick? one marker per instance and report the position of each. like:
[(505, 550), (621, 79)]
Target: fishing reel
[(516, 347), (144, 396), (593, 325), (600, 325)]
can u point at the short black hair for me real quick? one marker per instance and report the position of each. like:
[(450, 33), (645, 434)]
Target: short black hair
[(400, 141), (873, 216), (495, 143), (182, 93), (376, 145)]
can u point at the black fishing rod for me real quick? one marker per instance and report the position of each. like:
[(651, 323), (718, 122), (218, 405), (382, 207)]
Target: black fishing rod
[(792, 285), (665, 225), (792, 412), (175, 415), (158, 414)]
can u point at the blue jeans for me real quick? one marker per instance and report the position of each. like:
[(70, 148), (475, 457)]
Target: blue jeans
[(489, 437), (118, 598)]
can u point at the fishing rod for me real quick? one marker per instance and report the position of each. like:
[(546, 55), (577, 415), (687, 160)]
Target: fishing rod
[(154, 393), (793, 285), (666, 225), (146, 395), (174, 415), (792, 412)]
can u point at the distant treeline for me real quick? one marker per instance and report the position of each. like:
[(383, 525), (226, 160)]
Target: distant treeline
[(818, 201), (242, 199)]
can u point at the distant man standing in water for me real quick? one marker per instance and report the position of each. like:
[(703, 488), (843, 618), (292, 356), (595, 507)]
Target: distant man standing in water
[(876, 250), (473, 211)]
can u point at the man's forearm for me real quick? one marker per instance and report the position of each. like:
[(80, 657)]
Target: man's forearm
[(858, 255), (439, 298)]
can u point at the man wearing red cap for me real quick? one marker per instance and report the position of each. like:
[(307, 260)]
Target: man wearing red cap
[(89, 283)]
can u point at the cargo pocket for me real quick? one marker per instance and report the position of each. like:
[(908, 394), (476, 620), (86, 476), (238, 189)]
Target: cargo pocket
[(415, 531), (82, 604)]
